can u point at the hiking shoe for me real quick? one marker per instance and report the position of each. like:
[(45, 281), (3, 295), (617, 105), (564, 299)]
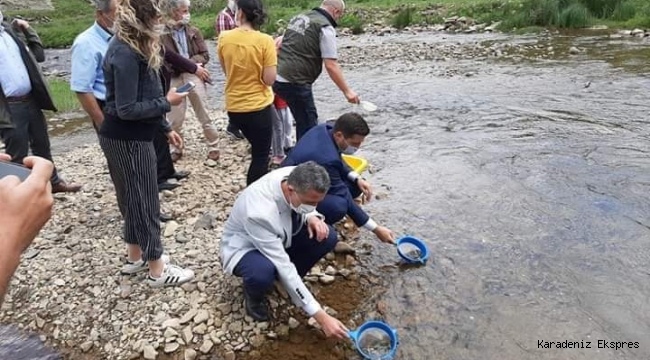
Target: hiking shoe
[(172, 276), (132, 268), (257, 308)]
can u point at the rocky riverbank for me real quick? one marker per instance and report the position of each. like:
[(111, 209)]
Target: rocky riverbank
[(68, 288)]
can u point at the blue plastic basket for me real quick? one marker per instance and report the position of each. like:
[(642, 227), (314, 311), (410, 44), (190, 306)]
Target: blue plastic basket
[(419, 244), (357, 335)]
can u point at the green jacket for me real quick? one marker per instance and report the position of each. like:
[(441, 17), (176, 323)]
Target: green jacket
[(31, 50)]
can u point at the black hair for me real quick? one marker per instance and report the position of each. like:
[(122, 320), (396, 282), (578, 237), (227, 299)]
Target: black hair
[(351, 124), (253, 11)]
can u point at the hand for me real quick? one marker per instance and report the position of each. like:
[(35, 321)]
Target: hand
[(318, 227), (352, 97), (26, 206), (385, 235), (278, 43), (175, 139), (202, 73), (175, 98), (21, 24), (331, 326), (365, 187), (5, 157)]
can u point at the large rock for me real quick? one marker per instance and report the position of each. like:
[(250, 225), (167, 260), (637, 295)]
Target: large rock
[(26, 5)]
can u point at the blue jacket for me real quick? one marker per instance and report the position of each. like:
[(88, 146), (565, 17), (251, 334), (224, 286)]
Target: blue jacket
[(318, 145)]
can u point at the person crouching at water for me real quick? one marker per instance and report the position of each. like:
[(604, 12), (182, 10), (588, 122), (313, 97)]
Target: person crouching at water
[(249, 59), (274, 230), (135, 108)]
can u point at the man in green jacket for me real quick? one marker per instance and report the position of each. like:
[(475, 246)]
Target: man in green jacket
[(23, 96)]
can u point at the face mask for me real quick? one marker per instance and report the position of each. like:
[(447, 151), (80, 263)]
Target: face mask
[(186, 19), (350, 150), (302, 209), (232, 5), (159, 28)]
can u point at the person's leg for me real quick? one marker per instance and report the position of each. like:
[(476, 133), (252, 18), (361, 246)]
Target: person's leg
[(287, 128), (301, 102), (277, 150), (354, 189), (16, 139), (257, 128), (176, 116), (197, 99), (334, 208), (165, 164), (305, 252), (258, 274)]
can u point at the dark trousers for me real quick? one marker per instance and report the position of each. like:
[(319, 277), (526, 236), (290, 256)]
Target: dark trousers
[(257, 127), (300, 99), (259, 273), (165, 165), (132, 165), (336, 207), (29, 131)]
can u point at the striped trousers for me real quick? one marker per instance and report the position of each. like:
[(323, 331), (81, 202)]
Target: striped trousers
[(132, 165)]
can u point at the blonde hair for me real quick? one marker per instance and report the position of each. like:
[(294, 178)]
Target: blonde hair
[(134, 24)]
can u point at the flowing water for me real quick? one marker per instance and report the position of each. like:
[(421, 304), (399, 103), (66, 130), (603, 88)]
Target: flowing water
[(528, 176)]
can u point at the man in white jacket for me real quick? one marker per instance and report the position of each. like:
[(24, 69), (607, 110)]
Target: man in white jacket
[(274, 232)]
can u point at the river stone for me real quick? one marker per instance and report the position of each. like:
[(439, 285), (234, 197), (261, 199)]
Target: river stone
[(190, 354), (85, 347), (206, 346), (188, 316), (170, 228), (235, 327), (229, 355), (574, 50), (149, 353), (172, 323), (188, 335), (330, 270), (327, 279), (257, 341), (293, 323), (59, 282), (343, 248), (170, 333), (171, 347), (201, 316), (200, 329)]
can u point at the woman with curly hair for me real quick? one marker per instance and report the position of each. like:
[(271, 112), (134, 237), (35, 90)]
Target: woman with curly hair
[(135, 107)]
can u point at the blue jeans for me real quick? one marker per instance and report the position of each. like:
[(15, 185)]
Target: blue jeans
[(301, 102), (259, 273)]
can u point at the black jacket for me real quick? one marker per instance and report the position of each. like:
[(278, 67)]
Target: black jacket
[(135, 101), (31, 50)]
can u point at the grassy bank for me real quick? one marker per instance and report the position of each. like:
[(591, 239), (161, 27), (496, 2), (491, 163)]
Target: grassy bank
[(64, 99), (58, 28)]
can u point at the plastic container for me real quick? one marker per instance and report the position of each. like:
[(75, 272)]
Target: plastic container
[(358, 164), (412, 250), (375, 340)]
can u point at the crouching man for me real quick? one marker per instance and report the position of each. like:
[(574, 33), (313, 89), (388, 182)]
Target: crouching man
[(274, 231)]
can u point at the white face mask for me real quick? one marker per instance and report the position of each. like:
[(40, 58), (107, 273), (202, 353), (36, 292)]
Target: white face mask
[(159, 28), (350, 150), (186, 19), (302, 209), (232, 5)]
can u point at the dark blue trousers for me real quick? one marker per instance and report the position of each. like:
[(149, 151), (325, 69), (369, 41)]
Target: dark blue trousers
[(259, 273), (336, 206), (300, 99)]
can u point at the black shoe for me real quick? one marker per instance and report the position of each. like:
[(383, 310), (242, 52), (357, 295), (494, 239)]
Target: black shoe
[(167, 186), (165, 217), (256, 308), (234, 133), (181, 174)]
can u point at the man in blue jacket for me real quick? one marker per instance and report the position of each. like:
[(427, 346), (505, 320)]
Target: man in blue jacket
[(324, 144)]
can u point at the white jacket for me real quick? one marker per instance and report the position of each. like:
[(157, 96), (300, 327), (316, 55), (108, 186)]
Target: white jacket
[(261, 219)]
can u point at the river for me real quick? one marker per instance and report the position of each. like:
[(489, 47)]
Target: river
[(527, 175)]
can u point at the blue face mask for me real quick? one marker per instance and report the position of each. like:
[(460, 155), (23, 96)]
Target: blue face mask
[(350, 150)]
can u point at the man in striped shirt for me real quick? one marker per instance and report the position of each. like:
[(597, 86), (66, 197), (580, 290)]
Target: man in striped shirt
[(226, 21)]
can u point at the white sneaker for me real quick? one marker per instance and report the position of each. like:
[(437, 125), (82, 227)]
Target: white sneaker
[(139, 266), (172, 276)]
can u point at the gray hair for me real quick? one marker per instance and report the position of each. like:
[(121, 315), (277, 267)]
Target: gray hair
[(333, 4), (175, 4), (309, 176), (103, 5)]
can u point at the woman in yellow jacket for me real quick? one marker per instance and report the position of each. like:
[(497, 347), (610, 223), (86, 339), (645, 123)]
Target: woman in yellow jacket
[(249, 61)]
